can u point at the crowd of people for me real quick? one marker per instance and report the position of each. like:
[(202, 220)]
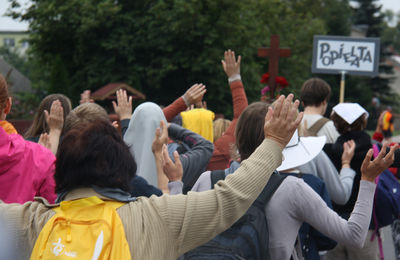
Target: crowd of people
[(173, 182)]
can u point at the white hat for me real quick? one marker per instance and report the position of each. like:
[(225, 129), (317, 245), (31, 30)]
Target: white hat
[(301, 150), (350, 112)]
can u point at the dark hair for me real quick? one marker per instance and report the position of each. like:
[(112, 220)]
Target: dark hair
[(39, 124), (343, 127), (315, 91), (94, 155), (249, 131)]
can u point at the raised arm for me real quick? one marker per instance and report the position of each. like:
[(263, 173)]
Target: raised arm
[(197, 217), (339, 186), (55, 121), (160, 140), (195, 160), (222, 145), (123, 108), (354, 231), (192, 96)]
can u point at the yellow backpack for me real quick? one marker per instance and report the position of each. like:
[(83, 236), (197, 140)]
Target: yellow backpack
[(88, 228)]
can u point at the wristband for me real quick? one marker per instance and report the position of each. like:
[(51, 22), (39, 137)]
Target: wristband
[(233, 78), (186, 101)]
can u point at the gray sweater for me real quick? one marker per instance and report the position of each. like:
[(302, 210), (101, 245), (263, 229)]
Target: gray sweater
[(295, 202), (339, 186)]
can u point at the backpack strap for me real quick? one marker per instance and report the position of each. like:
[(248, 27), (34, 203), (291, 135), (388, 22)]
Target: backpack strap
[(216, 176), (314, 129), (269, 190)]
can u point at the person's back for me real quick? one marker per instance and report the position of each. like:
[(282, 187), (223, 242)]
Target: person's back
[(315, 94), (157, 227), (26, 170), (353, 130)]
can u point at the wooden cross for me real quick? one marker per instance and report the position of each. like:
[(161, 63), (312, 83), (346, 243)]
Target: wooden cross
[(273, 53)]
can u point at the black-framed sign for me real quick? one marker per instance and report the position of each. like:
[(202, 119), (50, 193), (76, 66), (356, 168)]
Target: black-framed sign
[(335, 54)]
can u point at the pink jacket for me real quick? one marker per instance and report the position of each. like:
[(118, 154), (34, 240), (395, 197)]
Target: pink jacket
[(26, 170)]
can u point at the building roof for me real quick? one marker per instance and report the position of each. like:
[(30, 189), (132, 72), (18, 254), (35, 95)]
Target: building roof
[(109, 89), (17, 81)]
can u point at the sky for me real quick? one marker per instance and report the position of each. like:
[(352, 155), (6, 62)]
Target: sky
[(7, 24)]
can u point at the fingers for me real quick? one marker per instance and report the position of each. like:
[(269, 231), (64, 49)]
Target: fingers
[(165, 155), (298, 119), (367, 159), (239, 60), (115, 106), (158, 133), (115, 124), (352, 145), (192, 88), (345, 147), (389, 158), (46, 116), (293, 111), (382, 153), (287, 106), (177, 159), (223, 64), (164, 128), (278, 106), (270, 114)]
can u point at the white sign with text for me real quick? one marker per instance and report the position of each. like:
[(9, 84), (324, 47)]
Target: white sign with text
[(334, 54)]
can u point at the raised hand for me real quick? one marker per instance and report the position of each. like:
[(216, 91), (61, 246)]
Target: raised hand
[(230, 65), (85, 97), (348, 152), (55, 119), (160, 139), (45, 140), (282, 120), (173, 171), (123, 107), (371, 169), (195, 94)]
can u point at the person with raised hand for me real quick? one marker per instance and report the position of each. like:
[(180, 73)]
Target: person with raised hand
[(223, 145), (192, 96), (158, 227), (26, 168), (293, 201), (40, 124), (160, 141), (55, 122), (123, 109), (85, 97)]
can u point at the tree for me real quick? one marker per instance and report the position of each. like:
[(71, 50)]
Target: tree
[(368, 12), (162, 47)]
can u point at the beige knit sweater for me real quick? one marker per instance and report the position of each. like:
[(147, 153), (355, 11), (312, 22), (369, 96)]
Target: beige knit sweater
[(166, 227)]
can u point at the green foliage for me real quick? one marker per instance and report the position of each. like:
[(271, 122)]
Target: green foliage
[(162, 47), (369, 13)]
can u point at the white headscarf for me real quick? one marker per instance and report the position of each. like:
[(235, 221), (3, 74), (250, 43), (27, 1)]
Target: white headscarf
[(139, 137)]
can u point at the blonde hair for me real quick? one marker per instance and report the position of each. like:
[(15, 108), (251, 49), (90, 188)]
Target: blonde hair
[(220, 126), (84, 114)]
